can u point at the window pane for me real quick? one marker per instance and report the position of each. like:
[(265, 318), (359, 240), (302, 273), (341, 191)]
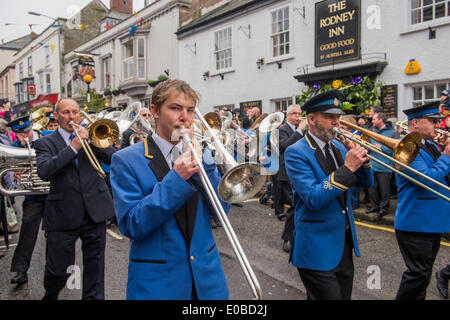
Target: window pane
[(416, 16), (417, 93), (141, 48), (440, 88), (439, 11), (415, 4), (141, 68), (427, 2), (427, 13), (131, 68), (429, 92), (275, 51)]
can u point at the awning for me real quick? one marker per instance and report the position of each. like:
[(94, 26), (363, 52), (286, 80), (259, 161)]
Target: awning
[(43, 100), (369, 69)]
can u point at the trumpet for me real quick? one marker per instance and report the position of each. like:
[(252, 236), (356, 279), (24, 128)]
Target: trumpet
[(103, 134), (442, 132), (405, 152), (240, 182)]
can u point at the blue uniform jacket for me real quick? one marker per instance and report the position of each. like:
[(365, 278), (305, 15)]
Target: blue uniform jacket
[(419, 210), (321, 203), (147, 196), (389, 132)]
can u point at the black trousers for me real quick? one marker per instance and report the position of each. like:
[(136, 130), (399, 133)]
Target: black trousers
[(336, 284), (33, 211), (445, 272), (283, 195), (60, 255), (419, 250), (380, 192)]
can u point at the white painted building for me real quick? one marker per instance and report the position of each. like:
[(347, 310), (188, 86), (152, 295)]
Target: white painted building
[(38, 64), (128, 62), (220, 50)]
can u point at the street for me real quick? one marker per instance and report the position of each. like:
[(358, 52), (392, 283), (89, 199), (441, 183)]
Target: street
[(259, 232)]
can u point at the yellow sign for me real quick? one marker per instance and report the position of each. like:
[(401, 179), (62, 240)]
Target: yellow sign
[(412, 67)]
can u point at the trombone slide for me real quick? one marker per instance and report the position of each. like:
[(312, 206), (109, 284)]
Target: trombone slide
[(214, 199)]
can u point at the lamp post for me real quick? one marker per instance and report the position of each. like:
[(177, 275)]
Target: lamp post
[(88, 79)]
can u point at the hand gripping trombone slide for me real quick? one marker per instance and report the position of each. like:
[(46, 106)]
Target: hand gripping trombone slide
[(240, 255)]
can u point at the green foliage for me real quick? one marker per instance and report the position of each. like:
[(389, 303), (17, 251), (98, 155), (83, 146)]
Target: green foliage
[(361, 93)]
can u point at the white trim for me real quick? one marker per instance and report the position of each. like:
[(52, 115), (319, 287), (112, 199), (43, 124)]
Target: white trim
[(214, 69), (290, 55)]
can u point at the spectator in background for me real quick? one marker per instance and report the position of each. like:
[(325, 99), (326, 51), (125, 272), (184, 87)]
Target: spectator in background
[(372, 111), (380, 192)]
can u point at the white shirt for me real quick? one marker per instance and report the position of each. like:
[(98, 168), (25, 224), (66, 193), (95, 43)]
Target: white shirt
[(166, 148), (322, 145), (294, 128)]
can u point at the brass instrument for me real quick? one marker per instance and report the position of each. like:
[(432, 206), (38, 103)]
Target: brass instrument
[(271, 122), (103, 133), (258, 121), (39, 119), (405, 152), (239, 135), (443, 132), (40, 124), (23, 160), (440, 132), (240, 182)]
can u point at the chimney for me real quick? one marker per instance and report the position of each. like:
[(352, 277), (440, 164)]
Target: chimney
[(125, 6), (33, 35)]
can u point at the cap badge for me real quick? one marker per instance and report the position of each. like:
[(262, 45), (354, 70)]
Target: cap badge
[(336, 102)]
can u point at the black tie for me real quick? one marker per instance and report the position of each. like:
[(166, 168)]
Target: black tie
[(432, 150), (435, 153), (72, 136), (329, 159)]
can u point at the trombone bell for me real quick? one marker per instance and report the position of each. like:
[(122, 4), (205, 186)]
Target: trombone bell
[(240, 183), (104, 133)]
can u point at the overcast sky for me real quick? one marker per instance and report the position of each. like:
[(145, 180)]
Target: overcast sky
[(16, 11)]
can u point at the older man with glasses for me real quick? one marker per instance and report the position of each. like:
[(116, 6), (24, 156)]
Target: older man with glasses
[(126, 141)]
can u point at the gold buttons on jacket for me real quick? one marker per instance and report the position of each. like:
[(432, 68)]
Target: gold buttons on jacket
[(344, 212), (192, 258)]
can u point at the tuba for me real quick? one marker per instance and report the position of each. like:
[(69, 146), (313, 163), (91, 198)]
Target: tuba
[(24, 160)]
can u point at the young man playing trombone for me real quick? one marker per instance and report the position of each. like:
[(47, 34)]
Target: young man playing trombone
[(421, 216), (161, 207)]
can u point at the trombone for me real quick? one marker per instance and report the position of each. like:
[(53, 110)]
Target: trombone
[(248, 180), (103, 134), (405, 152)]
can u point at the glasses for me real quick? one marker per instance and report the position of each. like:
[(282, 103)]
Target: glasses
[(434, 120), (145, 115)]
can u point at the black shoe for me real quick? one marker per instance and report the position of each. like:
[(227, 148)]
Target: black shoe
[(442, 285), (372, 210), (381, 214), (239, 205), (287, 246), (20, 278), (281, 216), (213, 223)]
